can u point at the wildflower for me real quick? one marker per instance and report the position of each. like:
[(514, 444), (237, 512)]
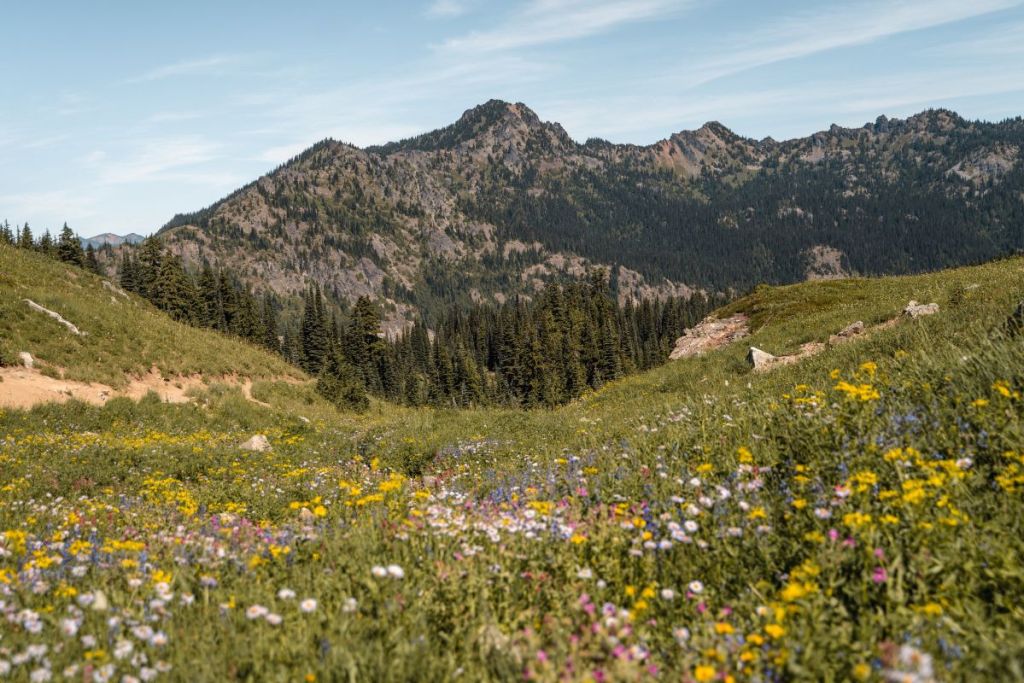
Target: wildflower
[(350, 606), (704, 673), (286, 594), (696, 587), (668, 594), (775, 631), (586, 574), (690, 526), (879, 575), (308, 605), (395, 571), (256, 612), (724, 628), (273, 619), (159, 639), (379, 572)]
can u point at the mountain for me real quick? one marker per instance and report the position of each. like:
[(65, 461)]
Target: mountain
[(110, 238), (501, 203)]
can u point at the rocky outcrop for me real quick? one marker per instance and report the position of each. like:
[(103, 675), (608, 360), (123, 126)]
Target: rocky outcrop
[(26, 359), (916, 310), (710, 334), (847, 333), (56, 316)]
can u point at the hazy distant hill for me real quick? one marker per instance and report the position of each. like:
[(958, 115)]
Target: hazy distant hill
[(113, 240), (500, 203)]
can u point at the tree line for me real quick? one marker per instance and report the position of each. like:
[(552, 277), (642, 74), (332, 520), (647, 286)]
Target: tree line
[(66, 247), (545, 351)]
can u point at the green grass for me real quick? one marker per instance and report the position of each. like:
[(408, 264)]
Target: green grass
[(124, 336), (523, 535)]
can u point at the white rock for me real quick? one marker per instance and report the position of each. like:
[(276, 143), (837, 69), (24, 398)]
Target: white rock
[(916, 310), (759, 359), (257, 443), (26, 359)]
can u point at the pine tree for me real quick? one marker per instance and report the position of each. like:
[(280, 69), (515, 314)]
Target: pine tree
[(91, 262), (339, 383), (25, 240), (314, 337), (69, 248), (46, 245)]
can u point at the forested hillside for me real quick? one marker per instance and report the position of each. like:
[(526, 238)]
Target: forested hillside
[(501, 203)]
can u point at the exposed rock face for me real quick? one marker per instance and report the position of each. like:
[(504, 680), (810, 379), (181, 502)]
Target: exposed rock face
[(825, 263), (847, 333), (916, 310), (56, 316), (257, 443), (710, 334), (26, 359)]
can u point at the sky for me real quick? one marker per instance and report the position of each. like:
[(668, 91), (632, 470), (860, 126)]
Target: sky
[(118, 115)]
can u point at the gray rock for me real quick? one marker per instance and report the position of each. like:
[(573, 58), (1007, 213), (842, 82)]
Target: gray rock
[(26, 359), (916, 310), (760, 360), (847, 333), (257, 443)]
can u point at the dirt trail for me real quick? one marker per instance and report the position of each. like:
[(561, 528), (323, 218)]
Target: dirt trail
[(26, 387)]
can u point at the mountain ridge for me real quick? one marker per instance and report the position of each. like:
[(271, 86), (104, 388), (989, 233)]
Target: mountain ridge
[(501, 203)]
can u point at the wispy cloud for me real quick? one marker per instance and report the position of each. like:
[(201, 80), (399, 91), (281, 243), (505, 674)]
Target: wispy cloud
[(209, 66), (761, 112), (157, 159), (448, 8), (55, 205), (834, 27), (549, 21), (389, 107)]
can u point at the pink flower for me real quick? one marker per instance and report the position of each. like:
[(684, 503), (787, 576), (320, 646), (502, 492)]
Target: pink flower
[(542, 656), (833, 535), (880, 575)]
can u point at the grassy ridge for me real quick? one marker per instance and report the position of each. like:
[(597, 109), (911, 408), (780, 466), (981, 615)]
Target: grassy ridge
[(857, 516), (125, 335)]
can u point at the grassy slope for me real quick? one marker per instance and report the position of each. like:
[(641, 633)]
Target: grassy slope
[(125, 336), (954, 592), (783, 318)]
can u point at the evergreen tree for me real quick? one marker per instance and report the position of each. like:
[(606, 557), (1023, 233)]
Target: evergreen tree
[(339, 383), (25, 240), (69, 248), (313, 333), (91, 262)]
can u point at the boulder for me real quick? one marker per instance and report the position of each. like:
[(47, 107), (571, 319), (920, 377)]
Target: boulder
[(916, 310), (26, 359), (710, 334), (760, 360), (847, 333), (257, 443)]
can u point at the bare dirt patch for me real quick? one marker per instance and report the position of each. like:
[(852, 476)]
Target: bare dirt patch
[(24, 388)]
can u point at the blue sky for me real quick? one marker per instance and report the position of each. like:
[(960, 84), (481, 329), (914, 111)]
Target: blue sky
[(119, 114)]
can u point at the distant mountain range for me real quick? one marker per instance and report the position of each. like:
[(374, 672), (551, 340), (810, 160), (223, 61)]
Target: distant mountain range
[(110, 238), (500, 203)]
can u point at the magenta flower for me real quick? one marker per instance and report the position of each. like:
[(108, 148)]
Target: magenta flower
[(880, 575)]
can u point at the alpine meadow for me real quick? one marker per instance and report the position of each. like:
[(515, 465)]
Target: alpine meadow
[(311, 369)]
